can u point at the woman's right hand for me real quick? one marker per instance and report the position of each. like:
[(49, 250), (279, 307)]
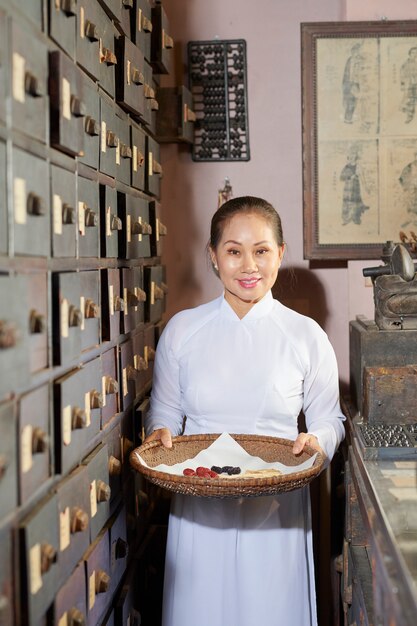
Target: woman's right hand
[(163, 434)]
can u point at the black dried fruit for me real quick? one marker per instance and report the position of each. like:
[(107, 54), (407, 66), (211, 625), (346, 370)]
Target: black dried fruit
[(234, 470), (216, 468)]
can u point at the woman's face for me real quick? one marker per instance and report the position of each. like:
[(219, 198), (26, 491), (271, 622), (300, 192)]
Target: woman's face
[(247, 258)]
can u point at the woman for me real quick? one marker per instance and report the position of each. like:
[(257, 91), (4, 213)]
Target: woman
[(243, 363)]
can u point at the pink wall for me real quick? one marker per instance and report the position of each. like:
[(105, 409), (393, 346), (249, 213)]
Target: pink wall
[(271, 28)]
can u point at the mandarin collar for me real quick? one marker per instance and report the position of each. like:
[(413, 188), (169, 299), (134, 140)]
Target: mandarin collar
[(259, 310)]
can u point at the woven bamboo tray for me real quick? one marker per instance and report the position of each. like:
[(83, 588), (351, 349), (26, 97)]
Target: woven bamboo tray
[(269, 449)]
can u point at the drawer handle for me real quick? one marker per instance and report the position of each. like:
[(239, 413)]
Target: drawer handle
[(103, 491), (137, 76), (48, 557), (111, 385), (8, 335), (128, 4), (92, 127), (140, 159), (115, 466), (79, 418), (125, 151), (157, 167), (74, 316), (162, 229), (35, 204), (91, 31), (68, 214), (79, 520), (149, 353), (40, 441), (158, 293), (32, 86), (91, 310), (167, 41), (90, 218), (154, 104), (119, 305), (131, 373), (140, 363), (77, 106), (116, 223), (189, 115), (36, 322), (141, 294), (96, 399), (149, 92), (164, 287), (69, 7), (146, 24), (121, 549), (132, 298), (108, 56), (141, 228), (76, 617), (102, 581), (112, 139)]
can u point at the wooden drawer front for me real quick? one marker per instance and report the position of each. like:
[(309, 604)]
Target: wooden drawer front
[(124, 610), (111, 304), (159, 230), (29, 65), (98, 579), (124, 160), (77, 398), (67, 317), (67, 105), (131, 79), (141, 413), (112, 439), (109, 139), (90, 309), (111, 224), (34, 11), (149, 351), (38, 321), (138, 140), (128, 374), (118, 548), (39, 533), (134, 241), (73, 494), (8, 459), (140, 363), (161, 42), (127, 16), (3, 66), (14, 336), (153, 171), (108, 58), (62, 25), (34, 442), (151, 103), (88, 206), (142, 31), (140, 292), (70, 605), (155, 288), (113, 8), (131, 300), (64, 213), (175, 117), (97, 465), (90, 155), (6, 577), (88, 36), (3, 198), (110, 386), (31, 207)]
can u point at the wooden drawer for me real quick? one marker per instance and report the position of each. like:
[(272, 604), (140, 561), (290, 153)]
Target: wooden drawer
[(98, 579), (39, 534), (159, 230), (111, 224), (8, 459), (91, 101), (153, 170), (67, 317), (108, 58), (31, 204), (142, 31), (175, 116), (90, 309), (64, 213), (109, 139), (140, 363), (38, 321), (111, 304), (128, 374), (35, 462), (138, 142), (3, 66), (131, 299), (161, 42), (87, 40), (6, 576), (151, 103), (156, 288), (62, 25), (100, 492), (112, 439), (70, 604), (88, 205), (119, 548), (131, 78), (67, 105), (134, 241), (110, 386), (124, 160), (149, 352), (4, 239)]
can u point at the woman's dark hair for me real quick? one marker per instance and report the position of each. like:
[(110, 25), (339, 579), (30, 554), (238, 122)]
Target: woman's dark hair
[(244, 205)]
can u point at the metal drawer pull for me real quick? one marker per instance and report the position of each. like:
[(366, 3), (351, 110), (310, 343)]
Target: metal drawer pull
[(79, 520), (102, 581), (103, 491), (69, 7), (40, 441), (35, 204), (92, 127), (68, 214), (32, 85), (36, 322), (111, 385), (91, 31), (77, 107), (8, 335), (91, 309), (74, 316), (79, 418)]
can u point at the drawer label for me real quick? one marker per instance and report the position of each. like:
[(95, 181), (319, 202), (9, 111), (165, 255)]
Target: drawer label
[(126, 311), (108, 221), (19, 72), (150, 164), (57, 214), (111, 300), (81, 218), (19, 200), (64, 529), (135, 158), (103, 389), (35, 568), (118, 152), (66, 425), (129, 228), (82, 309), (64, 318), (103, 136), (87, 406), (26, 458), (63, 620), (66, 99), (93, 498), (92, 590), (125, 388)]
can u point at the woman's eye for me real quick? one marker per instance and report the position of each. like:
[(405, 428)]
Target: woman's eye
[(233, 251), (261, 251)]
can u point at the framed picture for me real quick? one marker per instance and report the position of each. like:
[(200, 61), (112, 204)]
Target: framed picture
[(359, 96)]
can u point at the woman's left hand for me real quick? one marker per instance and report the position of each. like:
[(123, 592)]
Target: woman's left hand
[(308, 439)]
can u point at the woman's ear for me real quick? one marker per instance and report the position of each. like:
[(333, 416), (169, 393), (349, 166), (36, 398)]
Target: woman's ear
[(281, 251), (213, 259)]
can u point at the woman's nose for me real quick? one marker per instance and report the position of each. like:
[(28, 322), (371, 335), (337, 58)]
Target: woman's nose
[(249, 264)]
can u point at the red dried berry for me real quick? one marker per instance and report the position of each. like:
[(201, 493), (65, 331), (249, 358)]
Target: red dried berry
[(201, 471), (189, 472), (213, 474)]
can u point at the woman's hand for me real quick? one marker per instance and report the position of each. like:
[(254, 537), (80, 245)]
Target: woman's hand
[(163, 434), (308, 439)]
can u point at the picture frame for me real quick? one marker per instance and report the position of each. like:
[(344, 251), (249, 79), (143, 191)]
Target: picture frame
[(359, 117)]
